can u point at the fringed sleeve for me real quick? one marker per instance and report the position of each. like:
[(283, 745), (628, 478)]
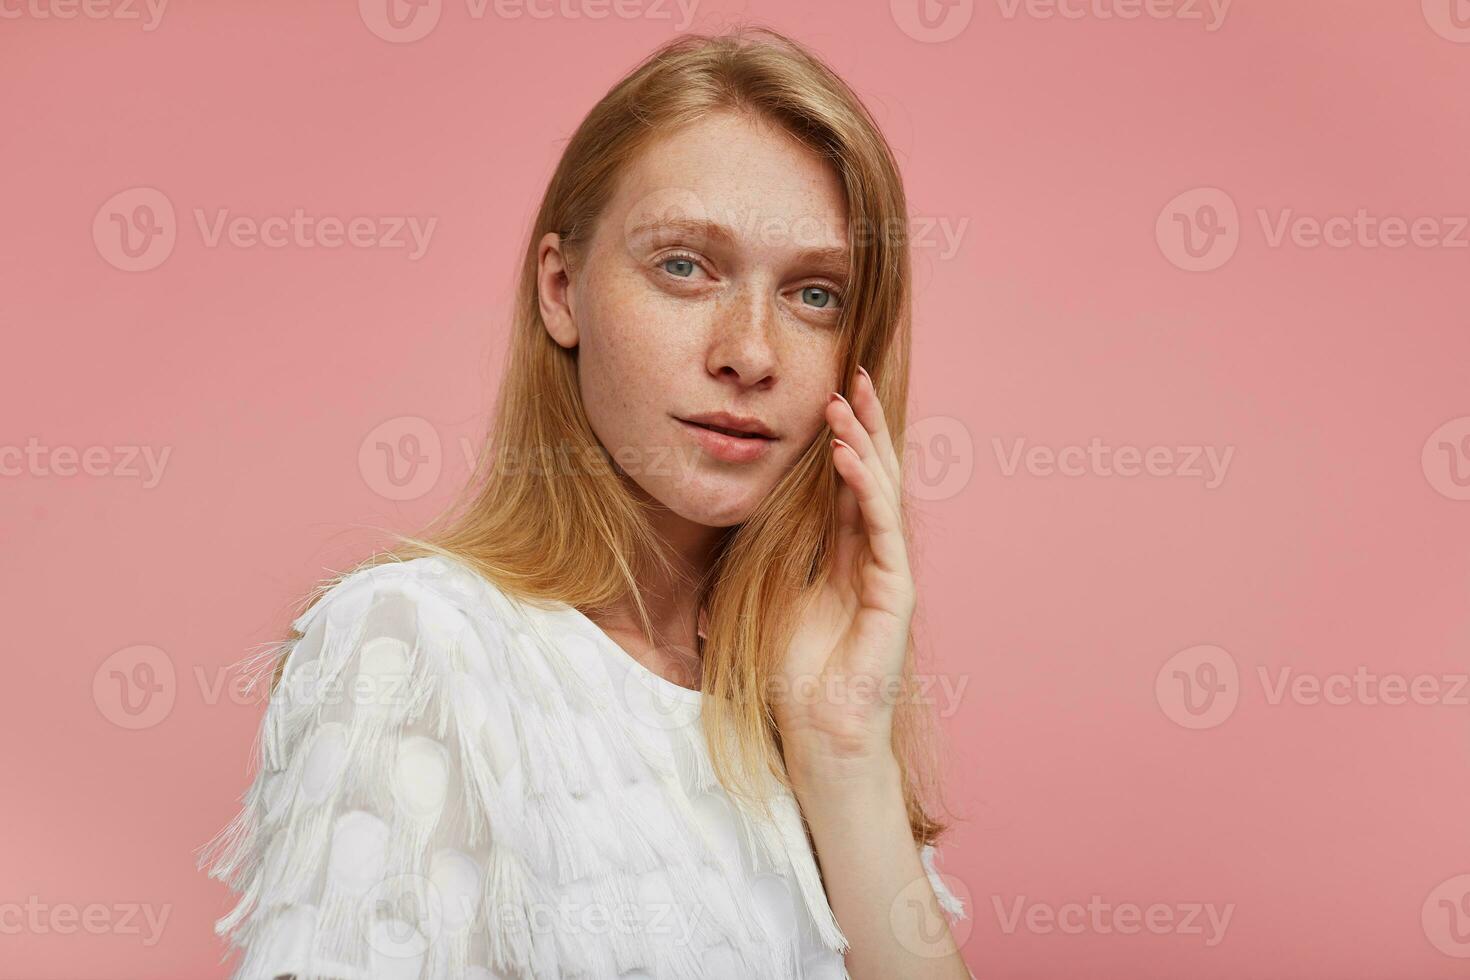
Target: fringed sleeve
[(948, 900), (366, 844)]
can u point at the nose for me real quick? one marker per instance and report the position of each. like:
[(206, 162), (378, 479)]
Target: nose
[(743, 344)]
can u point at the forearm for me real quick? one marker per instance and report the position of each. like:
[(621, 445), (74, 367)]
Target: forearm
[(875, 882)]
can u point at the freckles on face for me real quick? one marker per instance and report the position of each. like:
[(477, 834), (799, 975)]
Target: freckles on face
[(627, 350), (693, 300)]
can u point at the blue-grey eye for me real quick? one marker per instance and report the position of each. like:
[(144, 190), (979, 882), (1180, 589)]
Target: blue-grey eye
[(681, 262), (819, 294)]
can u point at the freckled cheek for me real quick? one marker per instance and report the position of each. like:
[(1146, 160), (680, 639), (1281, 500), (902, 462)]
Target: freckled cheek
[(813, 380), (636, 348), (632, 316), (649, 347)]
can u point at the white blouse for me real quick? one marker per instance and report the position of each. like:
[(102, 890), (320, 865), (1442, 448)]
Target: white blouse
[(453, 783)]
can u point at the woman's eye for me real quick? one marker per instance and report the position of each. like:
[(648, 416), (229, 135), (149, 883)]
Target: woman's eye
[(679, 266), (819, 297)]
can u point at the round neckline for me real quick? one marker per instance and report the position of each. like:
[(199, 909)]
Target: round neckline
[(662, 684)]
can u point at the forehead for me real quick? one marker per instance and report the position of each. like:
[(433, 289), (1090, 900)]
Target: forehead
[(746, 176)]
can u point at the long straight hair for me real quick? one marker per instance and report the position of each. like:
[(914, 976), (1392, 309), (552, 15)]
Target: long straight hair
[(579, 535)]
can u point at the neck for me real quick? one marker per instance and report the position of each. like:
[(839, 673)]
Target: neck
[(671, 600)]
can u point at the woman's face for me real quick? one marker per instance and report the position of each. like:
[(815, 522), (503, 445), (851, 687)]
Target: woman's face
[(712, 284)]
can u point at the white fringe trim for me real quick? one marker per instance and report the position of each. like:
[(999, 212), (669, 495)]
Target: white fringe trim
[(550, 824)]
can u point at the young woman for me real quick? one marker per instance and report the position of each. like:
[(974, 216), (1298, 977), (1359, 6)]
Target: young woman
[(641, 704)]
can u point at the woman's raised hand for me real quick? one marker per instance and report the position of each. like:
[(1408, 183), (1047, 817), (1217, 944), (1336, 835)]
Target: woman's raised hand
[(842, 673)]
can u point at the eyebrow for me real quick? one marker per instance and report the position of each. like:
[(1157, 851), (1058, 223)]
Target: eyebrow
[(833, 260)]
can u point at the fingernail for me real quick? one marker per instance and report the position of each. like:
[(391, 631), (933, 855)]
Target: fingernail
[(865, 373), (838, 397)]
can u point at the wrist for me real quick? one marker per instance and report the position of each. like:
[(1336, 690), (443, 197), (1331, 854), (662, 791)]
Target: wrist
[(817, 774)]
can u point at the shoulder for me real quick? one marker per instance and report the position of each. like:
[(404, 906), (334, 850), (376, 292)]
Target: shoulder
[(392, 641), (429, 603), (438, 585), (443, 622)]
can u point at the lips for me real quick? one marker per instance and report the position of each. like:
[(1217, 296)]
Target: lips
[(728, 446), (727, 423), (730, 432)]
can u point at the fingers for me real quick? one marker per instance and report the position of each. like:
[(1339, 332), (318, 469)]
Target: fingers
[(850, 526), (869, 411), (862, 426), (869, 483)]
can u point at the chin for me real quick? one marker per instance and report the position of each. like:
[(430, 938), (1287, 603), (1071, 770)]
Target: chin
[(719, 503)]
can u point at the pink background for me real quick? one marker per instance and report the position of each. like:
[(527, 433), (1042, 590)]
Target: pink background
[(1336, 541)]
